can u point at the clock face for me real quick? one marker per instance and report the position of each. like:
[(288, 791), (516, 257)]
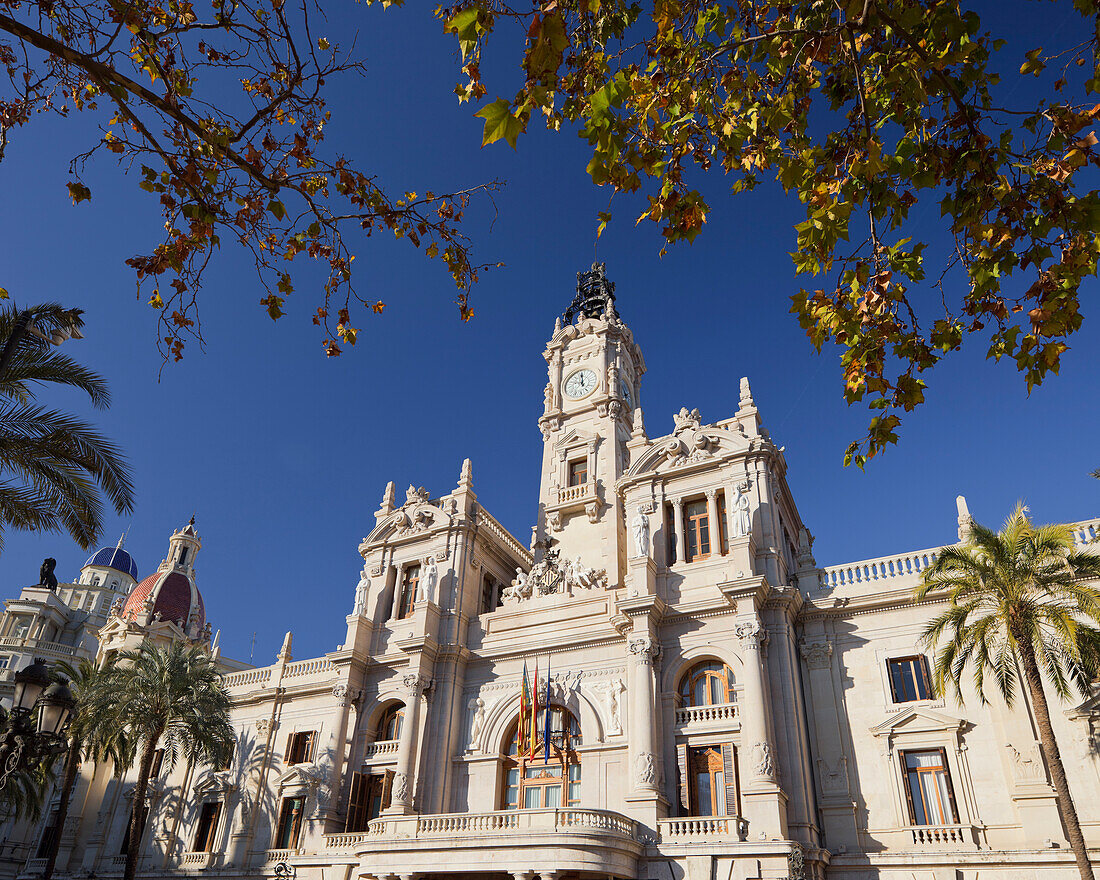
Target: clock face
[(626, 394), (580, 384)]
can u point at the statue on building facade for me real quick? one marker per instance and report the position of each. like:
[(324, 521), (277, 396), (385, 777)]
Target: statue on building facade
[(428, 581), (46, 577), (361, 594), (477, 721), (645, 769), (742, 522), (612, 694), (640, 530)]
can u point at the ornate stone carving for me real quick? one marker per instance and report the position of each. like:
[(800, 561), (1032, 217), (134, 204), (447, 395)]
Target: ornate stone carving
[(413, 495), (645, 649), (477, 719), (741, 525), (639, 529), (415, 683), (340, 691), (612, 693), (645, 769), (592, 508), (401, 787), (429, 578), (763, 760), (751, 635), (116, 608), (361, 594), (833, 781), (817, 654), (1028, 767), (685, 420), (805, 558), (264, 725), (376, 570), (552, 576)]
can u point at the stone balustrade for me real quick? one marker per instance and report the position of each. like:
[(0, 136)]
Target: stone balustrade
[(309, 667), (572, 493), (502, 822), (703, 829), (949, 837), (42, 648), (200, 860), (724, 713), (1086, 533), (382, 747), (249, 676), (35, 866), (487, 520), (344, 842), (281, 855)]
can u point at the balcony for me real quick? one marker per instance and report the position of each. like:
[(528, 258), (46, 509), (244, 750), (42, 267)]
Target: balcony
[(197, 861), (572, 499), (721, 715), (380, 749), (510, 840), (703, 829), (944, 837)]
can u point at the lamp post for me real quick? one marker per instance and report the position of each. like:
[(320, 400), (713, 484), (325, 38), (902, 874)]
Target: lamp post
[(33, 730)]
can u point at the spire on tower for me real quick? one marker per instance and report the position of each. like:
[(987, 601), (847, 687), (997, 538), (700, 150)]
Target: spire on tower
[(466, 477), (595, 295)]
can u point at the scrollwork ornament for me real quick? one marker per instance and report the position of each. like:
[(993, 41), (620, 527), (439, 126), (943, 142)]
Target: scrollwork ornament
[(415, 683), (645, 649), (751, 635), (817, 654)]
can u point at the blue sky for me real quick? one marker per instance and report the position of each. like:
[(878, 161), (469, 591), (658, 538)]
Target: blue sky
[(283, 454)]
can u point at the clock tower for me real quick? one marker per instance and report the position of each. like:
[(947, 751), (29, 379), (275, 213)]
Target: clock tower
[(591, 412)]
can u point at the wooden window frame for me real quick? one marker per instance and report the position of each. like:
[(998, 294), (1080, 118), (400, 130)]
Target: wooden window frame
[(686, 690), (300, 747), (286, 815), (205, 837), (394, 711), (578, 466), (697, 526), (364, 788), (921, 662), (563, 755), (944, 767), (410, 580)]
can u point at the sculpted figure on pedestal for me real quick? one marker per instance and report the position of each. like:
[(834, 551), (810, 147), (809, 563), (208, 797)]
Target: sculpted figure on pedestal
[(425, 591), (742, 522), (361, 594), (640, 530), (477, 707), (612, 691), (645, 769)]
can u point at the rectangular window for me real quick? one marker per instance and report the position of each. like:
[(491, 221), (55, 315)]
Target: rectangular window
[(697, 529), (670, 530), (290, 823), (48, 836), (299, 748), (578, 472), (928, 788), (227, 761), (359, 801), (488, 596), (21, 625), (909, 679), (125, 848), (723, 530), (208, 826), (708, 781), (408, 592)]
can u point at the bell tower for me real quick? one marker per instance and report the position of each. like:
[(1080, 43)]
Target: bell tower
[(591, 412)]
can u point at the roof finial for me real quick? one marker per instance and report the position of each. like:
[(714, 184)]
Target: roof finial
[(191, 521), (284, 653), (121, 540), (595, 294), (466, 478), (965, 519), (746, 393)]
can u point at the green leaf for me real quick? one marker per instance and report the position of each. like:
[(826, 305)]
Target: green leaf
[(499, 123), (277, 209)]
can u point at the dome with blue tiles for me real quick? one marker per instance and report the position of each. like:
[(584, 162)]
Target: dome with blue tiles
[(116, 558)]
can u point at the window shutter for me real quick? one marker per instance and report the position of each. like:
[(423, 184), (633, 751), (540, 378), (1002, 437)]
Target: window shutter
[(682, 768), (950, 787), (358, 782), (311, 742), (729, 772), (387, 788), (908, 789), (288, 755)]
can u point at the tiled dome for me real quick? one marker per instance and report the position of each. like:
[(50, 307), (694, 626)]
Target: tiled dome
[(116, 558), (174, 596)]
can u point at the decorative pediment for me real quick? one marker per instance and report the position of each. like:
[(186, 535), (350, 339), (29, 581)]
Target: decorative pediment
[(216, 783), (573, 438), (301, 776), (413, 517), (691, 444), (917, 721)]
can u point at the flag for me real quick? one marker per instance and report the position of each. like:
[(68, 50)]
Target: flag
[(533, 725), (524, 699), (546, 726)]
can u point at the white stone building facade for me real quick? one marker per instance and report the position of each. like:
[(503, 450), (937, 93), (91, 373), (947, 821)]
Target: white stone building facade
[(721, 707)]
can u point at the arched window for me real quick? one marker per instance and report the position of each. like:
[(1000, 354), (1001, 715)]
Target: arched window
[(709, 683), (389, 725), (531, 781)]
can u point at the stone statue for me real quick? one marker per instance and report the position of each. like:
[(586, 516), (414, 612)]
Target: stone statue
[(612, 691), (401, 787), (46, 577), (428, 581), (742, 522), (361, 594), (640, 529), (477, 722), (645, 769), (116, 608), (765, 762), (519, 589)]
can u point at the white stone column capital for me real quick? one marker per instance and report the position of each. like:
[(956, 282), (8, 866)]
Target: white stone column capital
[(644, 650), (751, 635), (415, 684)]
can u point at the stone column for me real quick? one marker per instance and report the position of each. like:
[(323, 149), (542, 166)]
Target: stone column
[(395, 605), (643, 650), (712, 523), (679, 537), (764, 802), (404, 783)]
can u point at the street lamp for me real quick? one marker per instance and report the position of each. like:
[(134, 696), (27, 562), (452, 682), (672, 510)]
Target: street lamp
[(33, 729)]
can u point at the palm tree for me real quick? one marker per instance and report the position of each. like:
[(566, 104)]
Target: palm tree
[(90, 738), (54, 466), (167, 697), (1019, 599)]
